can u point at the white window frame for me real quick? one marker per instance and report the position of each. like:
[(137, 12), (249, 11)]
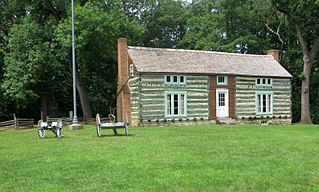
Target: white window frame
[(264, 84), (225, 82), (170, 104), (131, 70), (269, 102), (178, 79)]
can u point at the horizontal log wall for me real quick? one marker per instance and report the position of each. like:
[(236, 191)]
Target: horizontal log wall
[(135, 100), (245, 94), (152, 94)]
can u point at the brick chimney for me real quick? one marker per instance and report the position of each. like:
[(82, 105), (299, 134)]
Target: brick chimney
[(274, 53), (123, 99)]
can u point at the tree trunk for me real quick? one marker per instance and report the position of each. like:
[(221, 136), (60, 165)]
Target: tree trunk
[(87, 113), (305, 102), (44, 107), (86, 109), (308, 60)]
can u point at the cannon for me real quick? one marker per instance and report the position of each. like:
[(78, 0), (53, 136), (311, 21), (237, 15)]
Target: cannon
[(111, 125), (55, 127)]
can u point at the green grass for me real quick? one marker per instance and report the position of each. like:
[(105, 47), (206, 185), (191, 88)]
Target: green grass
[(195, 158)]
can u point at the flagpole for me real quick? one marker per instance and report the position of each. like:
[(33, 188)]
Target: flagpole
[(75, 118), (75, 123)]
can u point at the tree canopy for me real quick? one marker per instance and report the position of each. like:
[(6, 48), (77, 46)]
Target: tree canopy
[(35, 45)]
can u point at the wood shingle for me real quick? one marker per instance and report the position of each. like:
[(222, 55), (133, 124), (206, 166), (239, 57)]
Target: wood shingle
[(158, 60)]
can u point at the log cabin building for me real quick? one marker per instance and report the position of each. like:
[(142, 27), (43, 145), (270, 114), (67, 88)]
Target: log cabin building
[(174, 86)]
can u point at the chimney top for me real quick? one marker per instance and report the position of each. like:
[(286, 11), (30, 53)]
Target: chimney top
[(122, 39), (274, 53)]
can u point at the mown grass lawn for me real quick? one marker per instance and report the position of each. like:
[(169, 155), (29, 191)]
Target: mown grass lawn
[(195, 158)]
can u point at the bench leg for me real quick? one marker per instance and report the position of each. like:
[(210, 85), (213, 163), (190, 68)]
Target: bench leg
[(115, 131)]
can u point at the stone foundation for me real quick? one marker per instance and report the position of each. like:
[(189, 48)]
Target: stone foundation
[(176, 122), (265, 121)]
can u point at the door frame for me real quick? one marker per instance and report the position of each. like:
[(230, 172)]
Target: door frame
[(226, 101)]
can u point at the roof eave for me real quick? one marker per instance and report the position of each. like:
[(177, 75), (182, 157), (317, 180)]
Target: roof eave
[(231, 74)]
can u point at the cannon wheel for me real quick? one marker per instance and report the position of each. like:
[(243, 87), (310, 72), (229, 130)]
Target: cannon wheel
[(58, 132), (60, 124), (59, 129), (41, 130), (98, 125)]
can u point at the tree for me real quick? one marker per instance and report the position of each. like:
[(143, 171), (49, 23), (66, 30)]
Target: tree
[(164, 23), (40, 49), (7, 17), (224, 25), (203, 29), (303, 16), (98, 26), (24, 23), (30, 64)]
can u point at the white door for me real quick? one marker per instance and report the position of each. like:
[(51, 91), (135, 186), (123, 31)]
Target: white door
[(222, 103)]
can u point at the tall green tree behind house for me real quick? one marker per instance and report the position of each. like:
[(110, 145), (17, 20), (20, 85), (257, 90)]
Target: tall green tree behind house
[(5, 21), (303, 16), (47, 45), (11, 11), (31, 64), (3, 32), (281, 35), (236, 26), (242, 26), (224, 25), (98, 27), (163, 20), (203, 26), (26, 57), (165, 23), (135, 8)]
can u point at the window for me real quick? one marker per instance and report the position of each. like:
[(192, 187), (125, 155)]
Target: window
[(131, 70), (168, 79), (222, 80), (263, 82), (264, 103), (175, 104), (181, 79), (221, 99), (175, 79), (258, 82)]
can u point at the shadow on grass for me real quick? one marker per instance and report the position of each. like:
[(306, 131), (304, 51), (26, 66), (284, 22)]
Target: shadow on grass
[(51, 136), (117, 135), (15, 129)]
